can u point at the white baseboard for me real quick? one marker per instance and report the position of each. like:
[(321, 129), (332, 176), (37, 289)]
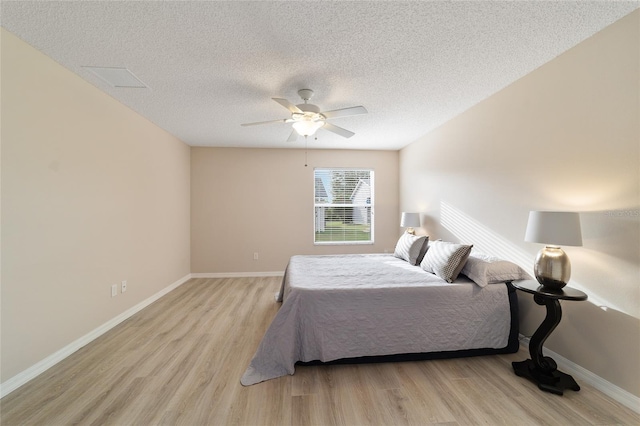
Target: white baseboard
[(620, 395), (236, 274), (30, 373)]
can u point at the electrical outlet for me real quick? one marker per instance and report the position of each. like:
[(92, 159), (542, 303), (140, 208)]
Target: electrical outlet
[(123, 287), (114, 290), (255, 256)]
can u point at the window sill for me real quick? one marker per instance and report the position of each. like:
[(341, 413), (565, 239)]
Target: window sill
[(342, 243)]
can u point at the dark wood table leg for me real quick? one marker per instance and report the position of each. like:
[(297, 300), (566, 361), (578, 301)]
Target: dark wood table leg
[(541, 369)]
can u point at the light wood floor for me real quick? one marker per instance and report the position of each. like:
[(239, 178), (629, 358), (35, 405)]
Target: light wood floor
[(180, 361)]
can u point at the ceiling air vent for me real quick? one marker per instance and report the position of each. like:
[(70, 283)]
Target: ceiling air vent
[(117, 77)]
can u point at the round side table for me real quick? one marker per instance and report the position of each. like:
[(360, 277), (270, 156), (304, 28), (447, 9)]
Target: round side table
[(541, 369)]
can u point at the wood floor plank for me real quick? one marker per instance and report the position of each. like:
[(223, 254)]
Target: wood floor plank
[(179, 362), (305, 381), (427, 401)]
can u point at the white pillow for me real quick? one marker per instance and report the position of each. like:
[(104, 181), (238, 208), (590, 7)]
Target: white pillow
[(409, 247), (484, 269), (445, 259)]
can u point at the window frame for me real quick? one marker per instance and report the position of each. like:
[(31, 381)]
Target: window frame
[(369, 204)]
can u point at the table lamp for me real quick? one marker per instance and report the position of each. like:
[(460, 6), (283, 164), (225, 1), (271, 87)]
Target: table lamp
[(410, 221), (552, 267)]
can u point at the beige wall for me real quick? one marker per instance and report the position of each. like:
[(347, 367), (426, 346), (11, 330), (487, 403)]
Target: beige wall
[(92, 194), (261, 200), (565, 137)]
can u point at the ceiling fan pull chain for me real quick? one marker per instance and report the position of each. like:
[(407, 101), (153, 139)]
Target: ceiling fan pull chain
[(305, 151)]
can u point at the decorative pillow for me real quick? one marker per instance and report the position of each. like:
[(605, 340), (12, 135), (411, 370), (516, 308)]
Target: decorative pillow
[(423, 251), (484, 269), (445, 259), (409, 247)]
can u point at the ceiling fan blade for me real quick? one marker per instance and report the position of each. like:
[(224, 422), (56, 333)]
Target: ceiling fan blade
[(293, 136), (288, 105), (337, 130), (282, 120), (344, 112)]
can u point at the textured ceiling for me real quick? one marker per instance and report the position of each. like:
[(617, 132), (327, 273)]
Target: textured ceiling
[(211, 65)]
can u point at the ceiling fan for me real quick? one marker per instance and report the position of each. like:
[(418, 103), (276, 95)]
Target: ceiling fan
[(307, 118)]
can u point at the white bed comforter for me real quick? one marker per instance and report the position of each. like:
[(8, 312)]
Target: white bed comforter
[(363, 305)]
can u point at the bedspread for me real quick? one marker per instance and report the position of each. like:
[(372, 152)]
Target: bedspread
[(349, 306)]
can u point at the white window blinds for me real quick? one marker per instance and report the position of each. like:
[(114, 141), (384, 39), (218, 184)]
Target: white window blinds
[(343, 206)]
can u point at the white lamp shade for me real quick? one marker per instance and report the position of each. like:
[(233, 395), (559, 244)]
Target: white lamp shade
[(410, 220), (554, 228)]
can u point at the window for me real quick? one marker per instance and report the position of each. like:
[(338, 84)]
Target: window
[(343, 206)]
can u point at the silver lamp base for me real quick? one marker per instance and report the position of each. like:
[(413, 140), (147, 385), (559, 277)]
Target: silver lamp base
[(552, 268)]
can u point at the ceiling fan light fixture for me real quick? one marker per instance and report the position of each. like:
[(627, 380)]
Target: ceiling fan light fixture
[(308, 118), (307, 127)]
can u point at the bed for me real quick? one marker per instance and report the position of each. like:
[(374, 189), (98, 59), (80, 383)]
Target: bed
[(338, 308)]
